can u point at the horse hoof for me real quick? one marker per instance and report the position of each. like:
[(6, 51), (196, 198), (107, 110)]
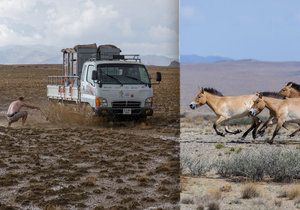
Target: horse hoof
[(241, 139), (237, 131), (292, 135), (221, 134), (269, 141)]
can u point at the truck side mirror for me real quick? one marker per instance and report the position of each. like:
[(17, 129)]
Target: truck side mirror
[(94, 75), (158, 76)]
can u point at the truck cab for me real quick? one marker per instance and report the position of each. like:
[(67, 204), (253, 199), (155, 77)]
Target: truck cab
[(112, 84), (117, 88)]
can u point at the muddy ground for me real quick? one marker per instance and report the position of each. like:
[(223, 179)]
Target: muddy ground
[(83, 162), (199, 142)]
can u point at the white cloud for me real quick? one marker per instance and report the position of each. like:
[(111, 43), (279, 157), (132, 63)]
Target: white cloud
[(151, 24)]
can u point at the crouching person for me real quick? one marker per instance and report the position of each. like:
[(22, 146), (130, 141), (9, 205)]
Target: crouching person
[(14, 112)]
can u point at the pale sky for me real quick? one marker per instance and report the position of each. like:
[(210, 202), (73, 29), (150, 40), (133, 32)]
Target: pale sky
[(241, 29), (145, 27)]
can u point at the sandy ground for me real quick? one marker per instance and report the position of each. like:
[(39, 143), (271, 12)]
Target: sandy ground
[(198, 140), (198, 143), (82, 162)]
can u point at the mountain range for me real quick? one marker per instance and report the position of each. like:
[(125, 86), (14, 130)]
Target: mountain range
[(42, 54), (185, 59)]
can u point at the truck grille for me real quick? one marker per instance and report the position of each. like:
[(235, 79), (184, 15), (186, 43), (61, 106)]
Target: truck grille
[(126, 104)]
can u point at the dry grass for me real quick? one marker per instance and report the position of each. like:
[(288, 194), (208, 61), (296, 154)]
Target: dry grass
[(293, 192), (226, 188), (187, 200), (278, 203), (215, 194), (200, 207), (213, 206), (250, 191)]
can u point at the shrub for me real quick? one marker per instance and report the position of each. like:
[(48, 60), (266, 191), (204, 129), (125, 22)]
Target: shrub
[(293, 192), (213, 206), (186, 199), (219, 146), (196, 167), (250, 191), (279, 164)]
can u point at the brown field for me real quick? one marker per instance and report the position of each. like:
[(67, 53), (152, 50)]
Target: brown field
[(201, 148), (83, 163)]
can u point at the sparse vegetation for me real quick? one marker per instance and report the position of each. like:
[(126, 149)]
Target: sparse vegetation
[(197, 167), (219, 146), (187, 200), (226, 188), (277, 203), (215, 194), (249, 191), (200, 207), (279, 164), (282, 165), (293, 192), (213, 206)]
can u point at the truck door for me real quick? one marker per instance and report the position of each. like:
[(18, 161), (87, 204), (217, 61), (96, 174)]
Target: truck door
[(88, 90)]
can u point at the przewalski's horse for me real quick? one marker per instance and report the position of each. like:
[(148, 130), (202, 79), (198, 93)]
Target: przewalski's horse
[(272, 118), (290, 90), (227, 108), (284, 110)]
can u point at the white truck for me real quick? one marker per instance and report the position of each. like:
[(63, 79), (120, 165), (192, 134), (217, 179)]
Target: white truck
[(111, 83)]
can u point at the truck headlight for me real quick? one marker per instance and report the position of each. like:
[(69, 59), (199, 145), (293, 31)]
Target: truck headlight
[(149, 102), (101, 102), (104, 102)]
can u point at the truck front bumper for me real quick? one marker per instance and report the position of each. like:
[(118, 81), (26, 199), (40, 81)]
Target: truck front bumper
[(108, 111)]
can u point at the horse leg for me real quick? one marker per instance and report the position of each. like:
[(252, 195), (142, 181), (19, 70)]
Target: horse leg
[(257, 123), (218, 122), (294, 133), (263, 128), (278, 126), (250, 129), (232, 132)]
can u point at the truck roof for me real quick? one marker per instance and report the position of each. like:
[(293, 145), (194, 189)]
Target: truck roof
[(113, 62)]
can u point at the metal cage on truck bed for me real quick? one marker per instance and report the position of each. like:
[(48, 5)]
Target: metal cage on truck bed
[(73, 58)]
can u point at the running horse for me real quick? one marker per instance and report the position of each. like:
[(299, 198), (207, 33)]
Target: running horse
[(290, 90), (284, 110), (227, 108)]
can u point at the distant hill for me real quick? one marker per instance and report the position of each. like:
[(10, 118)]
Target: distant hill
[(156, 60), (185, 59), (31, 54), (174, 64), (42, 54)]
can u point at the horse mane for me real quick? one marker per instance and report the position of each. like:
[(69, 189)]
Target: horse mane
[(272, 95), (294, 85), (213, 91)]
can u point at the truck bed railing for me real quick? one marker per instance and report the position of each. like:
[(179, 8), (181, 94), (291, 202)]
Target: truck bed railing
[(64, 80), (130, 57)]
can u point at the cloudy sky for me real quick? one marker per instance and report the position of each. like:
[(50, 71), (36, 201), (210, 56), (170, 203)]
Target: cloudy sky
[(145, 27), (240, 29)]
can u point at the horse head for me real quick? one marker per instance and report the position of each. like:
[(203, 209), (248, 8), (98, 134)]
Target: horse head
[(199, 100), (287, 90)]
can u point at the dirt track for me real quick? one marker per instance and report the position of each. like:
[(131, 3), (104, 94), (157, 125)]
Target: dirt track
[(73, 165)]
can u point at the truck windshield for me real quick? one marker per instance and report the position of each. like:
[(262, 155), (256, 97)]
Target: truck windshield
[(123, 74)]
